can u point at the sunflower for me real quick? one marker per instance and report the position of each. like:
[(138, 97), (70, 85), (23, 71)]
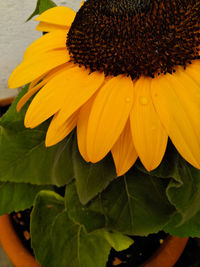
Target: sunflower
[(124, 73)]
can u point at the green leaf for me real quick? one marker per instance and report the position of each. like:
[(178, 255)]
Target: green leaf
[(42, 5), (62, 168), (189, 228), (92, 220), (12, 119), (72, 246), (80, 214), (168, 167), (46, 207), (23, 155), (58, 241), (183, 190), (17, 197), (117, 240), (45, 4), (92, 179), (185, 195), (135, 204)]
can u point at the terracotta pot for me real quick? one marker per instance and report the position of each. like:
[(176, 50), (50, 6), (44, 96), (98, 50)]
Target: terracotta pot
[(13, 246), (166, 256), (168, 253), (6, 101)]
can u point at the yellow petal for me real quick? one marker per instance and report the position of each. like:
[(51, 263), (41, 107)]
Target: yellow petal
[(123, 152), (82, 125), (36, 66), (108, 116), (35, 82), (80, 85), (26, 97), (149, 136), (36, 86), (46, 43), (48, 27), (177, 103), (82, 3), (193, 71), (32, 89), (50, 98), (60, 15), (57, 133)]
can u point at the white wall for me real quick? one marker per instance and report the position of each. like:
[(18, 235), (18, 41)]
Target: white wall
[(16, 35)]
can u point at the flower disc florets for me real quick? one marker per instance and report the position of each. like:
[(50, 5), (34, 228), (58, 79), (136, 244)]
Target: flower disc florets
[(135, 37)]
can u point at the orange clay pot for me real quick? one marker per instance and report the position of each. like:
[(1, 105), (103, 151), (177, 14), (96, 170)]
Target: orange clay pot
[(6, 101), (166, 256), (168, 253), (12, 245)]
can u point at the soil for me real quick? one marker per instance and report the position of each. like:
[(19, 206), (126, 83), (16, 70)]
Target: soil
[(138, 253), (21, 224), (144, 247), (3, 110)]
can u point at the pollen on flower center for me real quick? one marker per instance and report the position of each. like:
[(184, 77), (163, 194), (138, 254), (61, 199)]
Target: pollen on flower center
[(135, 37)]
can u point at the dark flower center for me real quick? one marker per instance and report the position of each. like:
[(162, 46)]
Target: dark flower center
[(135, 37)]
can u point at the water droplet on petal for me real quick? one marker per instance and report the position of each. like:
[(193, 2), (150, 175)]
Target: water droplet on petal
[(144, 101), (198, 94), (128, 100), (153, 127)]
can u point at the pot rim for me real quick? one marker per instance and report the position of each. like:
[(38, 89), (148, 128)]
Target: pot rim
[(166, 256), (6, 101), (13, 246), (168, 253)]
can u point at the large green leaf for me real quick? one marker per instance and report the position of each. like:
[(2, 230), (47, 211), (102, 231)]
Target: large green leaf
[(185, 195), (23, 155), (81, 214), (92, 220), (73, 247), (135, 204), (189, 228), (17, 197), (41, 6), (92, 179), (183, 190), (58, 241), (46, 207), (62, 171)]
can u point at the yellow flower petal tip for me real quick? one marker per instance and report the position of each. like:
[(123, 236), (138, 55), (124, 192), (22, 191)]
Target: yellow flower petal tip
[(28, 122), (12, 83), (82, 3), (57, 132), (28, 125), (49, 143), (149, 167), (59, 15), (120, 172), (37, 65), (123, 152)]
